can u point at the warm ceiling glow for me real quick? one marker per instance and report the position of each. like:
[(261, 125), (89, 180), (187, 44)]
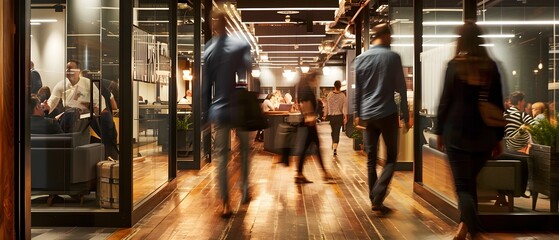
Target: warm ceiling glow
[(255, 73), (305, 69), (490, 23), (43, 20), (186, 75)]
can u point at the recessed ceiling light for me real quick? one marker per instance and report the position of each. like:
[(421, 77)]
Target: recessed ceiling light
[(288, 12)]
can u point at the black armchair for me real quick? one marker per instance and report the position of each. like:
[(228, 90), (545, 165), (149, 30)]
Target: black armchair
[(64, 164)]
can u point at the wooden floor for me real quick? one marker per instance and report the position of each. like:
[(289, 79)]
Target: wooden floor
[(281, 209)]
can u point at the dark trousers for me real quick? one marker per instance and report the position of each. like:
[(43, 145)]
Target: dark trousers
[(312, 137), (336, 122), (465, 167), (105, 128), (388, 127)]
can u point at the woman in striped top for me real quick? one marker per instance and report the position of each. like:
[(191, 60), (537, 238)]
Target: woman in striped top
[(516, 134)]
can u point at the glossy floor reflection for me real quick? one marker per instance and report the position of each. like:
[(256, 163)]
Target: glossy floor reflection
[(281, 209)]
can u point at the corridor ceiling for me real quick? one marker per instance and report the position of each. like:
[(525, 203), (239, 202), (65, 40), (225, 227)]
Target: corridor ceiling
[(292, 33)]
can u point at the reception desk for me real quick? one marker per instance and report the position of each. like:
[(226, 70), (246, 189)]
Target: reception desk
[(271, 133), (274, 119)]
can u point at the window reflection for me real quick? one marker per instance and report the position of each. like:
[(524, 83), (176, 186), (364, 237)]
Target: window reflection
[(151, 74)]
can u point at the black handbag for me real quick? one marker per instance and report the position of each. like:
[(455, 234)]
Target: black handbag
[(247, 113), (491, 114)]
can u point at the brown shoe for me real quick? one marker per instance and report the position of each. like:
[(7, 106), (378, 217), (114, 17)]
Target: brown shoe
[(227, 212), (302, 179), (462, 232)]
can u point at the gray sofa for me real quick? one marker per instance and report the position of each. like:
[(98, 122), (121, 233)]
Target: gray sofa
[(497, 176), (64, 164)]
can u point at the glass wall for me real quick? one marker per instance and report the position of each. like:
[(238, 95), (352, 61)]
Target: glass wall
[(83, 160), (185, 80), (151, 87), (74, 105), (521, 36)]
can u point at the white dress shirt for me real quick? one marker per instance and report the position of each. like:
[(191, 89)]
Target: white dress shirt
[(74, 95)]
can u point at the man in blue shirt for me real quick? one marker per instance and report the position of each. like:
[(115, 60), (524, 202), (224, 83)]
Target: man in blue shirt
[(225, 58), (379, 74)]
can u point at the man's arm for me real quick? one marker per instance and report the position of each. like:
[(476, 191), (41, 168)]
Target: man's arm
[(401, 89), (55, 96), (358, 91)]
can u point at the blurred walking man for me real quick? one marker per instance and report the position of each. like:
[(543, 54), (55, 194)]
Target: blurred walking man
[(225, 58)]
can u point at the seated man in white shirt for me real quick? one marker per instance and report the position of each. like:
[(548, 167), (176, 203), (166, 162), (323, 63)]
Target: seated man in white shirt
[(75, 95)]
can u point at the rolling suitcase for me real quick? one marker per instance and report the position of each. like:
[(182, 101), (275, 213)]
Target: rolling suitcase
[(107, 183)]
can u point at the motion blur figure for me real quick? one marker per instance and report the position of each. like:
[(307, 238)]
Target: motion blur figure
[(468, 140), (308, 107), (225, 58)]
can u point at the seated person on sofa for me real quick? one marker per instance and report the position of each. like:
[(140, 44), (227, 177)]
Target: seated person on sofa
[(74, 92), (44, 94), (516, 134), (39, 123)]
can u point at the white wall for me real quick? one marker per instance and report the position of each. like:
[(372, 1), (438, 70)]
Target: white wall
[(433, 65), (272, 77), (48, 46)]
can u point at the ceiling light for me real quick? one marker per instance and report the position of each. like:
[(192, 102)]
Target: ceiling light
[(186, 75), (293, 52), (255, 73), (43, 20), (288, 9), (287, 18), (288, 36), (264, 57), (288, 12), (540, 66), (490, 23), (305, 69), (382, 8)]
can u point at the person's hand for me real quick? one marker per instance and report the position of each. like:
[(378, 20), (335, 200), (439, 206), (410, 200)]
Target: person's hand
[(406, 127), (440, 144), (310, 120), (345, 120), (497, 149), (45, 106), (356, 121)]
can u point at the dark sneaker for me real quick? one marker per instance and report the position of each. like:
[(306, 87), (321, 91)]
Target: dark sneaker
[(302, 179)]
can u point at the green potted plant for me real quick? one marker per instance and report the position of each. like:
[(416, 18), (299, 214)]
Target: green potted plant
[(357, 135), (185, 135), (544, 161)]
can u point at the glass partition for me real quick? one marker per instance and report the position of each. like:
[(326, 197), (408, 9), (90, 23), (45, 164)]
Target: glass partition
[(185, 77), (73, 104), (523, 39), (438, 48), (521, 36), (151, 74), (401, 17)]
